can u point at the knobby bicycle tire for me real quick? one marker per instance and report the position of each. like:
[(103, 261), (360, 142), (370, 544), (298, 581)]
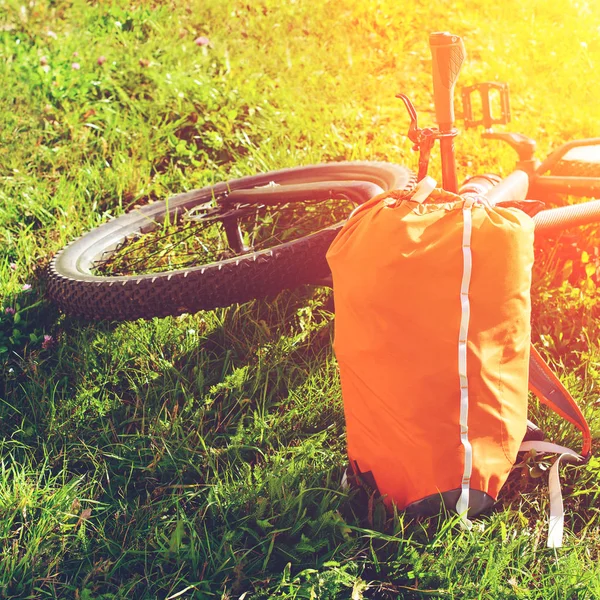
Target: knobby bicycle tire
[(76, 290)]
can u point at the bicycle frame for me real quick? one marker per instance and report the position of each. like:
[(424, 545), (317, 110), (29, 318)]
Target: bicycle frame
[(242, 272)]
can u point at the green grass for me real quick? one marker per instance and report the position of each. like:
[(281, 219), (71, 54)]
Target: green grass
[(201, 456)]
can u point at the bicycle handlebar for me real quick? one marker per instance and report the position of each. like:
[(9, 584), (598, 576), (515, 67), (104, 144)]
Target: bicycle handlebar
[(448, 53)]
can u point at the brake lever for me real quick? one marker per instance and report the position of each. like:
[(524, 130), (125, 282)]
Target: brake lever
[(414, 133), (423, 139)]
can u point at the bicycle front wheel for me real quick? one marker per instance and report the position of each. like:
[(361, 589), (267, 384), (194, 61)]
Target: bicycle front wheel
[(217, 245)]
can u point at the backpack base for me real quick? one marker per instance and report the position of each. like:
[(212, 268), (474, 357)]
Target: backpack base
[(426, 507), (432, 505)]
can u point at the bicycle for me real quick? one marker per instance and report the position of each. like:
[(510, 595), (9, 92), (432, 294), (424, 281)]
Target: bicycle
[(257, 235)]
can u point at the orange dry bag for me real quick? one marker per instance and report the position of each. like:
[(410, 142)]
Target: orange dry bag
[(432, 337)]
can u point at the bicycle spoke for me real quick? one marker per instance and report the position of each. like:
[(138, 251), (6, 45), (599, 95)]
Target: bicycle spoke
[(275, 237), (161, 252), (306, 218), (197, 238)]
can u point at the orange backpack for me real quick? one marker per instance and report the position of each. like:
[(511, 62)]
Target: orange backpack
[(432, 337)]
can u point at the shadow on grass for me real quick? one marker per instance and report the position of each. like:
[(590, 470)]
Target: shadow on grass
[(225, 418)]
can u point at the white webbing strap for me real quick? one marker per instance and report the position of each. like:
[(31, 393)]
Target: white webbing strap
[(462, 505), (556, 520)]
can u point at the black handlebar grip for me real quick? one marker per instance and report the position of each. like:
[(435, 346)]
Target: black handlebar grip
[(448, 53)]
